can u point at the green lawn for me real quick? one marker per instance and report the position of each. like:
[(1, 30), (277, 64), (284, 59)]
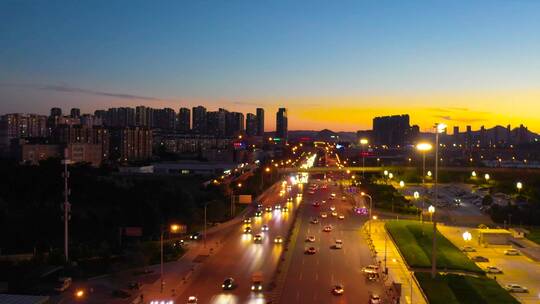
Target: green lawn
[(534, 234), (415, 243), (458, 289)]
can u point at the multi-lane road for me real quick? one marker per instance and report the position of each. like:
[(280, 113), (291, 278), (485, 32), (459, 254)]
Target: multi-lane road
[(310, 278), (240, 257)]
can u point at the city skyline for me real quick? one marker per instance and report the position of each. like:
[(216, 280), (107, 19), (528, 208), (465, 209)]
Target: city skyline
[(454, 63)]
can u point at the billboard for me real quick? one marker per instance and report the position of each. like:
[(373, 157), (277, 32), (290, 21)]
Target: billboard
[(244, 199)]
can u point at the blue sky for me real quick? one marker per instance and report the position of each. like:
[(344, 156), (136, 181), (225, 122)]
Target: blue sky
[(300, 54)]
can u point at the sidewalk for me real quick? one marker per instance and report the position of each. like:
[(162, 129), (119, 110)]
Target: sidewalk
[(398, 271)]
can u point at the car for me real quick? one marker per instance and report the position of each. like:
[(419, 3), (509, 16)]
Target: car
[(258, 214), (228, 284), (310, 250), (341, 217), (515, 288), (278, 240), (493, 269), (338, 290), (370, 269), (343, 198), (511, 252), (192, 300), (323, 202), (338, 244), (480, 259), (310, 239), (195, 236), (334, 213), (311, 192), (257, 238), (277, 207), (314, 221), (327, 228), (259, 206), (324, 215), (299, 195), (247, 220), (333, 195), (331, 198), (375, 299), (247, 230), (63, 284), (284, 209), (332, 208), (268, 209), (289, 200), (468, 249), (316, 204), (264, 228)]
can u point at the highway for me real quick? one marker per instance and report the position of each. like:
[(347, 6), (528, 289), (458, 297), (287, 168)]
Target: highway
[(310, 278)]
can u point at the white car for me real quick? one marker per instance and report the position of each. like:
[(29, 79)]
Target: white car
[(310, 239), (515, 288), (192, 300), (338, 290), (324, 215), (327, 228), (370, 269), (493, 269), (264, 228), (511, 252), (332, 208), (338, 244), (341, 217)]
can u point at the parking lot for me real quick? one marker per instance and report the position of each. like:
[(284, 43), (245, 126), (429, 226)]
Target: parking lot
[(516, 269)]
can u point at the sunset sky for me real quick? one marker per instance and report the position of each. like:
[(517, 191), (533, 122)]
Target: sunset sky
[(333, 64)]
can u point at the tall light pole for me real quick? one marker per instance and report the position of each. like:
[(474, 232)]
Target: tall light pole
[(174, 228), (363, 142), (423, 147), (370, 206), (439, 128), (66, 206)]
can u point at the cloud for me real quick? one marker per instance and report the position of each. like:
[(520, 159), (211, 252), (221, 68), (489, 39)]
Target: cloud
[(241, 103), (69, 89), (459, 119)]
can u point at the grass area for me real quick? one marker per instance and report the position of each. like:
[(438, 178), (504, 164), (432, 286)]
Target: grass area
[(534, 234), (415, 243), (459, 289)]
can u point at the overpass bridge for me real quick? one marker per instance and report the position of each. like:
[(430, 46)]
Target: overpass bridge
[(404, 168)]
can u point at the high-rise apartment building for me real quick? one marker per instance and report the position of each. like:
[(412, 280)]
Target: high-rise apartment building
[(393, 130), (184, 117), (75, 112), (282, 124), (199, 120), (234, 123), (260, 122), (217, 122), (251, 124)]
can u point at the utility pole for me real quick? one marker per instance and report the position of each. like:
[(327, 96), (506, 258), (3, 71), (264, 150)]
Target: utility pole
[(66, 206)]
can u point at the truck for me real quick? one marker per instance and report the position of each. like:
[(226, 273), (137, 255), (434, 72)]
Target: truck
[(256, 281)]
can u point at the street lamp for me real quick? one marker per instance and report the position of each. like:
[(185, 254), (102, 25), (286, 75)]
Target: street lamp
[(370, 205), (431, 210), (385, 172), (401, 184), (439, 128), (390, 175), (487, 177), (429, 174), (416, 196), (174, 228), (519, 186), (363, 142), (467, 236)]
